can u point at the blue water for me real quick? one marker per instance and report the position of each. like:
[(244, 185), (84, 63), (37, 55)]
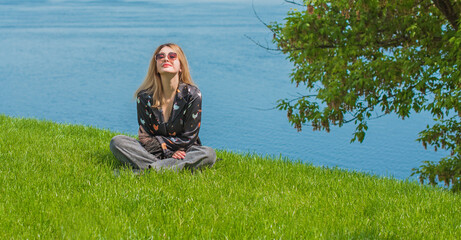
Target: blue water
[(81, 61)]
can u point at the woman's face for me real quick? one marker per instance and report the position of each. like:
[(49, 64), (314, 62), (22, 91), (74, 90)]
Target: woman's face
[(167, 61)]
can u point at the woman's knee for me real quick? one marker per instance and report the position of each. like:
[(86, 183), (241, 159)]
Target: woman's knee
[(210, 154), (210, 151), (116, 142)]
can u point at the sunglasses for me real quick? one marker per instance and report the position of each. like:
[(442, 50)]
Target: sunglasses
[(171, 56)]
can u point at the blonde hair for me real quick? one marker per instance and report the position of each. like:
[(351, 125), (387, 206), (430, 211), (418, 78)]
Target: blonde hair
[(153, 83)]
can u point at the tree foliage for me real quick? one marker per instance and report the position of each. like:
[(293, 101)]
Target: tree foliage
[(363, 59)]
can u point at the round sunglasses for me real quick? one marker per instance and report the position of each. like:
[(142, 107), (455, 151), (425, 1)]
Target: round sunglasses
[(171, 56)]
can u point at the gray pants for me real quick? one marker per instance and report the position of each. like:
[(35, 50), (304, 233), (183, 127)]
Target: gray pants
[(130, 151)]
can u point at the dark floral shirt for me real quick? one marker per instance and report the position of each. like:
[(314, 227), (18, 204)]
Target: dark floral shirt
[(180, 132)]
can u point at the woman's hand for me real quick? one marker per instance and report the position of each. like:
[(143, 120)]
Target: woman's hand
[(180, 154), (143, 135), (144, 138)]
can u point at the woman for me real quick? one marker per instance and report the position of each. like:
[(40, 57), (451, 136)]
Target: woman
[(169, 108)]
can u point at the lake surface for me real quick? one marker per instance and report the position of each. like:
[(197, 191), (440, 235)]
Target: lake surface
[(80, 62)]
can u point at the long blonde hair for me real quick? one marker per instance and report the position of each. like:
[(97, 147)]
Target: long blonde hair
[(153, 83)]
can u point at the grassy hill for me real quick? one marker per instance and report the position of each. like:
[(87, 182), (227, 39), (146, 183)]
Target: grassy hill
[(61, 181)]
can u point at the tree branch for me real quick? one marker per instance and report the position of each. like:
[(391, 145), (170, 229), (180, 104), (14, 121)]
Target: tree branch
[(261, 21), (303, 96), (257, 16), (260, 45), (449, 11), (295, 3)]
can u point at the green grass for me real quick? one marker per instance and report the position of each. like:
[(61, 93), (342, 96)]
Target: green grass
[(58, 181)]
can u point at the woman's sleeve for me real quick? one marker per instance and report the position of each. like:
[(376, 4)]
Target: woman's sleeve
[(144, 112), (191, 125)]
